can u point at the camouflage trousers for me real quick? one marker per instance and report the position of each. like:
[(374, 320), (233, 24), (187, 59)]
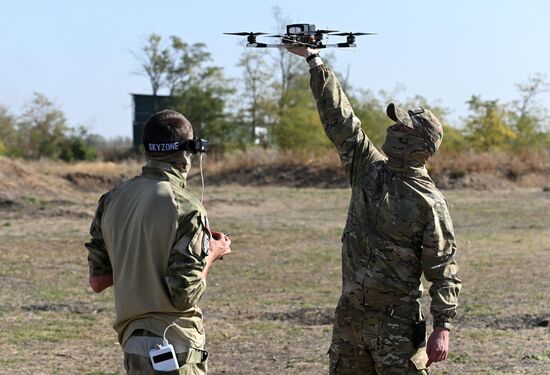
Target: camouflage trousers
[(370, 341), (136, 364)]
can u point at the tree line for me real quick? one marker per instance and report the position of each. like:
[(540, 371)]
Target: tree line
[(270, 105), (42, 131)]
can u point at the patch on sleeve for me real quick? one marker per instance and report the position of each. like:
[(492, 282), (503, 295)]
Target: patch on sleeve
[(206, 237)]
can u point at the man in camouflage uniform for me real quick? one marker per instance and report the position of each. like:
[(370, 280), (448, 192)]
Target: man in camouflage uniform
[(398, 226), (151, 240)]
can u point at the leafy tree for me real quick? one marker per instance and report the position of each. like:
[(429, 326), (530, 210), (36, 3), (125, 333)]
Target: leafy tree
[(41, 129), (372, 113), (202, 101), (487, 129), (528, 117), (155, 63), (185, 63), (76, 147), (453, 140), (173, 67), (8, 134), (288, 64), (197, 90), (299, 126), (113, 149), (256, 90)]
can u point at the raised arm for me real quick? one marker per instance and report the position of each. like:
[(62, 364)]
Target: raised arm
[(341, 125)]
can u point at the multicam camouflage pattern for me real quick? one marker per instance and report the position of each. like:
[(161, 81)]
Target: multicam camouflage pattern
[(423, 120), (398, 224), (405, 149), (367, 341)]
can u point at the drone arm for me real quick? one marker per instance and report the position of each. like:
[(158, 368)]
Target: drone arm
[(339, 45), (280, 45), (257, 45), (267, 45)]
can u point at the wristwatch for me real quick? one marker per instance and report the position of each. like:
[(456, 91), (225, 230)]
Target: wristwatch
[(311, 57)]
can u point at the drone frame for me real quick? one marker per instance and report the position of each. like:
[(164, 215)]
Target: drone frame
[(301, 35)]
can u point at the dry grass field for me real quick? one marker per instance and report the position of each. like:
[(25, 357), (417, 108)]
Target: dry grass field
[(269, 305)]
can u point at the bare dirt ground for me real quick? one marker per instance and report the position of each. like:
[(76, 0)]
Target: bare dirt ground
[(269, 305)]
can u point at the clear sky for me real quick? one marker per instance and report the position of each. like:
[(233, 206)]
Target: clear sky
[(77, 53)]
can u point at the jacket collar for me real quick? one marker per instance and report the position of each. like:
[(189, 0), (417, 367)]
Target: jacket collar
[(165, 172)]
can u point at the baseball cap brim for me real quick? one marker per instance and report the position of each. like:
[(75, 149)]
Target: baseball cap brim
[(397, 114)]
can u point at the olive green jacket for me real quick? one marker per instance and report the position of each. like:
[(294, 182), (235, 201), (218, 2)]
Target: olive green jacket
[(152, 234)]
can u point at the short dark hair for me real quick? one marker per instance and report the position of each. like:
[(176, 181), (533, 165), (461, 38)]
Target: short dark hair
[(165, 126)]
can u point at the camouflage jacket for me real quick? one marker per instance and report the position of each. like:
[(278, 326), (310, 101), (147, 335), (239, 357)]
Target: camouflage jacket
[(398, 223), (152, 234)]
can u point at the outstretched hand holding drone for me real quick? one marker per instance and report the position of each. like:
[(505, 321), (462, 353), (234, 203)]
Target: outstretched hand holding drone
[(301, 35), (303, 51)]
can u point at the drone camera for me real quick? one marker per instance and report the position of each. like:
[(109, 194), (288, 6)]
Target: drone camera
[(299, 32)]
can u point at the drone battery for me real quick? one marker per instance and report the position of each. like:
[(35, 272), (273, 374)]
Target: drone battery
[(164, 358)]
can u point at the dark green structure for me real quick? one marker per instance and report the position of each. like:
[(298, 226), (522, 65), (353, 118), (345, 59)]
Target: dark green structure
[(144, 107)]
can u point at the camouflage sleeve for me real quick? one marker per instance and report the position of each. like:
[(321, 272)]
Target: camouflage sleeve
[(186, 263), (341, 125), (98, 258), (439, 265)]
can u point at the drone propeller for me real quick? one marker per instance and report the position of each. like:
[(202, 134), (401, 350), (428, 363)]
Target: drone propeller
[(250, 36), (244, 33), (285, 36), (350, 37), (325, 31), (353, 34), (301, 34), (288, 37)]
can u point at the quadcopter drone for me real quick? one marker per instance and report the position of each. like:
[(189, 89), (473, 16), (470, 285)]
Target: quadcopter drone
[(301, 35)]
